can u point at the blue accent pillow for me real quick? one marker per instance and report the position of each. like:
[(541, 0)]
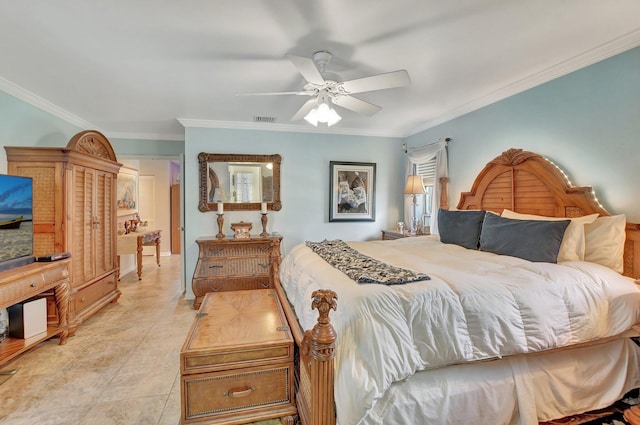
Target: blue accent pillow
[(532, 240), (460, 227)]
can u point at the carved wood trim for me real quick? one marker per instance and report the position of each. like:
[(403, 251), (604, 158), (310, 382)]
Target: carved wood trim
[(526, 182), (515, 179), (93, 143), (444, 193)]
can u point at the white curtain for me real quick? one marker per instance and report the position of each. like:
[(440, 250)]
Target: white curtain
[(421, 155)]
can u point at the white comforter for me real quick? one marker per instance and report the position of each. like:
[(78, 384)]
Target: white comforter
[(476, 306)]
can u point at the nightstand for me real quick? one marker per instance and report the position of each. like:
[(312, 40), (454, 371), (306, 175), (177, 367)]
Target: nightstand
[(236, 365), (394, 234)]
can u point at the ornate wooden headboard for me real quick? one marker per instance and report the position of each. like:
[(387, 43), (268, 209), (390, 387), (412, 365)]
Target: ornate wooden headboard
[(529, 183)]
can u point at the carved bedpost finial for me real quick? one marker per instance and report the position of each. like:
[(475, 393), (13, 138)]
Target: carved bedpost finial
[(444, 193), (324, 300), (320, 341)]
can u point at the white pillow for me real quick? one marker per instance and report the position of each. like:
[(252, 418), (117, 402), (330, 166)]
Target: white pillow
[(572, 247), (604, 239)]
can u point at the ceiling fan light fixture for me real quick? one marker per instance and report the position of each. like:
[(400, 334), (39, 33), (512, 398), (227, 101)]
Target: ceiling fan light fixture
[(322, 113)]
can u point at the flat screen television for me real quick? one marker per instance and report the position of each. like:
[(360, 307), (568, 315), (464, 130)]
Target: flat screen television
[(16, 221)]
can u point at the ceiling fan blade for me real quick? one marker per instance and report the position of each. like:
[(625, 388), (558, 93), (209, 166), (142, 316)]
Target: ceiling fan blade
[(297, 93), (307, 68), (377, 82), (304, 110), (356, 105)]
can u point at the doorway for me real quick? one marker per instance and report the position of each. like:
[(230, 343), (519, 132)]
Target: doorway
[(160, 201)]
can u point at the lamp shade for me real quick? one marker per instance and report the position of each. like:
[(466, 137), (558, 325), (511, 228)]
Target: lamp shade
[(414, 185)]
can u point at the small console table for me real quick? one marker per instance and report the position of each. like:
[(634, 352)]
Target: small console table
[(132, 243)]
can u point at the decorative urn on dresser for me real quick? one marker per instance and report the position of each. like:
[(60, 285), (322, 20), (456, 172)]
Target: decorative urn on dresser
[(74, 194)]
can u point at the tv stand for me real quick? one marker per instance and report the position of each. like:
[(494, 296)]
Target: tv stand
[(24, 282)]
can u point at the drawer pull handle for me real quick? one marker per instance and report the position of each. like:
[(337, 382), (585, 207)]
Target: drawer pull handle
[(240, 392), (263, 248), (264, 265), (216, 266), (34, 285)]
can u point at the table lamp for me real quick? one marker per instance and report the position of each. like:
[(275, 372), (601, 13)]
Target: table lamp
[(414, 187)]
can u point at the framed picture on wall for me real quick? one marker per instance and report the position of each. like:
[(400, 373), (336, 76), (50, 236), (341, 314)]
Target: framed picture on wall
[(127, 191), (352, 191)]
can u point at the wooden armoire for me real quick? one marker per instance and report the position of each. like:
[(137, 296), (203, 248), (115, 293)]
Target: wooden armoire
[(74, 210)]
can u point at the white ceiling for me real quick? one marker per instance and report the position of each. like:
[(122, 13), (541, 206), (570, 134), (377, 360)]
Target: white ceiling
[(143, 68)]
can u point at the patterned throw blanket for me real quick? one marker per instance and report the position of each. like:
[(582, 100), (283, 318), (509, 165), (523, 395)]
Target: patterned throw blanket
[(361, 268)]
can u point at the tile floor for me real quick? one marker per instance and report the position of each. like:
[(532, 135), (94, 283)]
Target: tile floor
[(122, 366)]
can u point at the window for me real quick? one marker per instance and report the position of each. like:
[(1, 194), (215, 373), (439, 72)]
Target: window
[(426, 170)]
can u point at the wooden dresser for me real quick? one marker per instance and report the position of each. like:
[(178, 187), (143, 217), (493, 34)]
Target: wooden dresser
[(35, 279), (235, 264), (236, 364), (74, 210)]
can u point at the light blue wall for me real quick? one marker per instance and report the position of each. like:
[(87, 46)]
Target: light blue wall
[(587, 122), (136, 147), (304, 184), (22, 124)]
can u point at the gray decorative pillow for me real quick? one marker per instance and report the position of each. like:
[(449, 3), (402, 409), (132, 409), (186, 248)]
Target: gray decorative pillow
[(460, 227), (532, 240)]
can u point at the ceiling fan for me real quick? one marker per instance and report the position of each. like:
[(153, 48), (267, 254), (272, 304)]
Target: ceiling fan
[(325, 93)]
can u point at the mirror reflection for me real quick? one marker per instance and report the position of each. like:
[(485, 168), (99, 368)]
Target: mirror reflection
[(240, 182)]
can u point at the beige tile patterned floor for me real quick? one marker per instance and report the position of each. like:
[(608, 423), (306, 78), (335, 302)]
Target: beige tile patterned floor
[(122, 366)]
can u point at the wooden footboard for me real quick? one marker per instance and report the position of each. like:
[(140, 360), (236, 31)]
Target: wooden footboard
[(315, 360)]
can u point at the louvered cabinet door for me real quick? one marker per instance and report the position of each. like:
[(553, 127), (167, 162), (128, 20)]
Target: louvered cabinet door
[(83, 234), (104, 227)]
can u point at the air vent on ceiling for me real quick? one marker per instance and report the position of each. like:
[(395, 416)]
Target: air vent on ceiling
[(264, 119)]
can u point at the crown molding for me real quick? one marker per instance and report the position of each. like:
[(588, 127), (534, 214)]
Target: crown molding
[(43, 104), (145, 136), (597, 54), (237, 125)]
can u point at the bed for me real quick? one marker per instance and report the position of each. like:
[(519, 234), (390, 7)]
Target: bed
[(486, 337)]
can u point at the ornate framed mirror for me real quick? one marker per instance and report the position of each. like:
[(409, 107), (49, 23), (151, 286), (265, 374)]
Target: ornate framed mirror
[(241, 182)]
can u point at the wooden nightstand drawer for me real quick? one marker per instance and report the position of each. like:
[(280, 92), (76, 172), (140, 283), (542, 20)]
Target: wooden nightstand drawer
[(233, 394)]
